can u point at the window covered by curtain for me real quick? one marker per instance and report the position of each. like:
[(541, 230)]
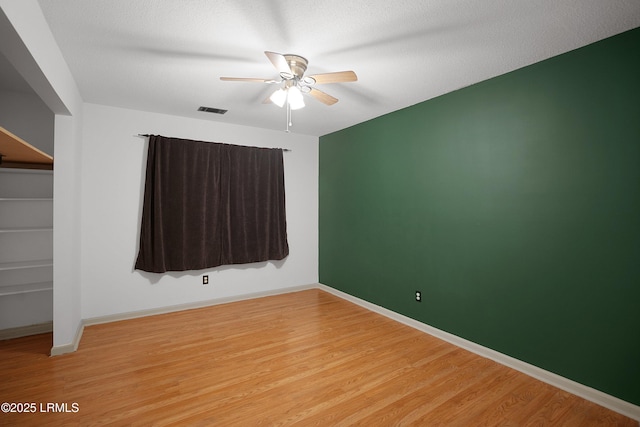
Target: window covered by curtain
[(208, 204)]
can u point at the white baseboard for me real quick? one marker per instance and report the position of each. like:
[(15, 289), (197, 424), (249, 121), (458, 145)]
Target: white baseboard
[(71, 347), (25, 331), (189, 306), (618, 405)]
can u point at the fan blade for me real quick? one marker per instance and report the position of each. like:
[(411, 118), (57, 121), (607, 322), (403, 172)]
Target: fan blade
[(338, 77), (247, 79), (323, 97), (279, 61)]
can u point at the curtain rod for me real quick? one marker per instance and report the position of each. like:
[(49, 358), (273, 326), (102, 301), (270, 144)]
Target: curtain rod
[(145, 135)]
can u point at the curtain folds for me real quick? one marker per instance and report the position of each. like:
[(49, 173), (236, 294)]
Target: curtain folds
[(208, 204)]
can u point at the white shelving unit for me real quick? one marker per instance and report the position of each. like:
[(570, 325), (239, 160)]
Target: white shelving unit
[(26, 248)]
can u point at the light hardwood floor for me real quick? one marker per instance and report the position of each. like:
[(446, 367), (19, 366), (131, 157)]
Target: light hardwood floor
[(305, 358)]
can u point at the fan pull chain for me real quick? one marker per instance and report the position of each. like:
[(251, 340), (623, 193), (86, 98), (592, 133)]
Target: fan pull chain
[(288, 114)]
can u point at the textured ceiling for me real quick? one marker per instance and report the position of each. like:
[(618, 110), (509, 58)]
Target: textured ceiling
[(167, 56)]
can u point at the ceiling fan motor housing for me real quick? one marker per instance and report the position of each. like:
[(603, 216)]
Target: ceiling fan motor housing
[(298, 65)]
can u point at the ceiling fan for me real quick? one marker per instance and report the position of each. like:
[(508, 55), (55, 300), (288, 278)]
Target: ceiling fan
[(293, 83)]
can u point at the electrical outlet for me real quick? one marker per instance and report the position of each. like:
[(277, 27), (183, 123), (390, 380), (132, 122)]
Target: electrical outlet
[(418, 296), (205, 279)]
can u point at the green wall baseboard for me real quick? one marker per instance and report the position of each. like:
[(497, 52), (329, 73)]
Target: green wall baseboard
[(618, 405)]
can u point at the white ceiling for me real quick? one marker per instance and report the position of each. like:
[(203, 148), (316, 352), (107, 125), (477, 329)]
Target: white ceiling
[(167, 56)]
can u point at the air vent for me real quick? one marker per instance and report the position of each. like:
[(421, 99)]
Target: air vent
[(212, 110)]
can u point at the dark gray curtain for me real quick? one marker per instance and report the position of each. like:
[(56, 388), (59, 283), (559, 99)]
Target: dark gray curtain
[(208, 204)]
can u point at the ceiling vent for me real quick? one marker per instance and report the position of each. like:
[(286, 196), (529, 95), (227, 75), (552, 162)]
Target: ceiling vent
[(212, 110)]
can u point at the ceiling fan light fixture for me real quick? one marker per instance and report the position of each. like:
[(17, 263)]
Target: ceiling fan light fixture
[(295, 99), (279, 97), (293, 83)]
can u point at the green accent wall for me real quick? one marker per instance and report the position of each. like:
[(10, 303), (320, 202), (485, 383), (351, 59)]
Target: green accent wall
[(512, 204)]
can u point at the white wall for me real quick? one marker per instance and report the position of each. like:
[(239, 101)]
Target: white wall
[(25, 115), (26, 309), (113, 167), (97, 193), (27, 42), (67, 215)]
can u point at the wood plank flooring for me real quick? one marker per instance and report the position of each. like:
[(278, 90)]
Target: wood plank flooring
[(306, 358)]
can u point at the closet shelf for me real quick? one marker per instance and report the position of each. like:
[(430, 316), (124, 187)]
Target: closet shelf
[(26, 199), (25, 229), (26, 289), (25, 264), (16, 152)]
